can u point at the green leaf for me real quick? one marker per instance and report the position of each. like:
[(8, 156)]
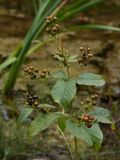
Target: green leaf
[(62, 123), (96, 134), (93, 27), (56, 56), (47, 8), (59, 75), (63, 92), (43, 121), (90, 79), (78, 132), (46, 106), (24, 114), (72, 12), (102, 115), (7, 63), (72, 59), (92, 136)]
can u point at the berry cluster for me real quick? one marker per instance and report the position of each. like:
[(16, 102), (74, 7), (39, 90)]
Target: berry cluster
[(44, 73), (88, 120), (32, 71), (35, 73), (86, 55), (94, 98), (52, 27), (89, 102), (31, 99)]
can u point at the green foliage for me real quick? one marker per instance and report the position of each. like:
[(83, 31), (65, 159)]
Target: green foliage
[(59, 75), (62, 123), (63, 92), (43, 121), (92, 136), (7, 63), (90, 79), (80, 125), (24, 114), (83, 124), (79, 132), (72, 59), (96, 134), (44, 8), (77, 8), (93, 27), (46, 106), (102, 115)]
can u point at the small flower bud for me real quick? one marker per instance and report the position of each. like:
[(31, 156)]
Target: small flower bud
[(35, 103), (57, 26), (31, 67), (81, 49), (88, 49), (54, 29), (90, 55), (48, 29), (79, 60), (89, 125), (42, 75), (55, 18), (48, 21)]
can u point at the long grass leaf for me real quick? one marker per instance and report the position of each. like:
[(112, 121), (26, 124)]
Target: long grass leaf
[(70, 6), (40, 18), (78, 9), (93, 26), (7, 63), (35, 6)]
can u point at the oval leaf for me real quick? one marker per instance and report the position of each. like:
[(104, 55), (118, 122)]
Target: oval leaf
[(59, 75), (96, 134), (46, 106), (102, 115), (63, 92), (79, 132), (90, 79), (24, 114), (43, 121)]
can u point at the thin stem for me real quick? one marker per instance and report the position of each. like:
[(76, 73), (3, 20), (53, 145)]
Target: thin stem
[(76, 148), (58, 41), (68, 72), (72, 157)]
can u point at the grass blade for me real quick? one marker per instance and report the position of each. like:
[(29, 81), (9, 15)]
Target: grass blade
[(70, 6), (7, 63), (94, 26), (72, 12), (44, 11)]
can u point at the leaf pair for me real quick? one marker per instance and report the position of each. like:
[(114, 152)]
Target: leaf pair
[(101, 115), (41, 122), (92, 136), (65, 90)]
